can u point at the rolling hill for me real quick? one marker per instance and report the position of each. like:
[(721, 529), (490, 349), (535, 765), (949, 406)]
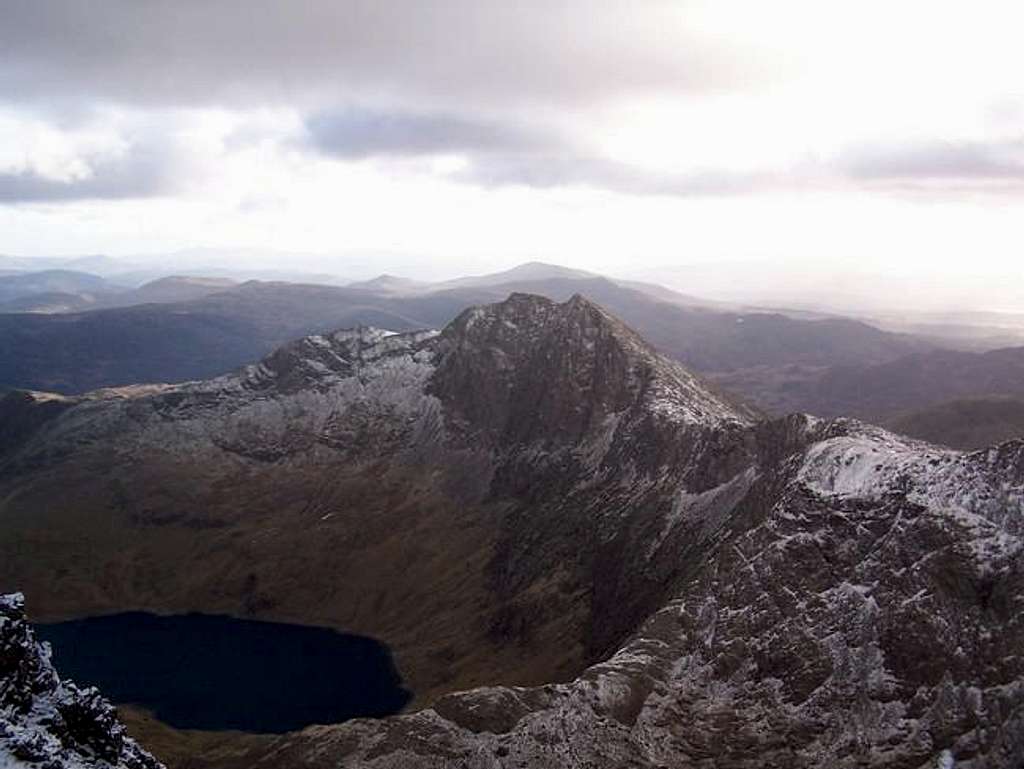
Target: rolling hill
[(966, 423)]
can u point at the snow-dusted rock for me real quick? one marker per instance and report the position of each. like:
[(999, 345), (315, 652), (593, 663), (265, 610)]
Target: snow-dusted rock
[(861, 606), (49, 723)]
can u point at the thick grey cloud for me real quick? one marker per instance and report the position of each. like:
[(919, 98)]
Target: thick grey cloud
[(464, 52), (354, 133), (141, 172), (420, 78), (572, 168), (414, 78), (930, 167), (939, 161), (500, 155)]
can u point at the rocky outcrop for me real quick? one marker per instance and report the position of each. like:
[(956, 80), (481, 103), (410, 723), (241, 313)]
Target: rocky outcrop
[(49, 723)]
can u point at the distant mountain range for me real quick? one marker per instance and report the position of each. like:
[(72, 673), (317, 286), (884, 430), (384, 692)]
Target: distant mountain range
[(69, 283), (87, 332), (966, 423), (884, 390), (237, 265), (226, 327), (53, 292)]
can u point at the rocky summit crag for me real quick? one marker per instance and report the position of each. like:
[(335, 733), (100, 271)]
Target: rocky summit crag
[(49, 723), (581, 554)]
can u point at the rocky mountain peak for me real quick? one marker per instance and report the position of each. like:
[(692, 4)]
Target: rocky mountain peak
[(49, 723), (529, 367), (526, 315)]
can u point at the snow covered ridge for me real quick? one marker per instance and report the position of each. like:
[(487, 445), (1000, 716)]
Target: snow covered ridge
[(320, 360), (49, 723), (982, 493), (287, 402)]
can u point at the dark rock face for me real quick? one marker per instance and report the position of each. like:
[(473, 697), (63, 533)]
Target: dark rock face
[(49, 723), (530, 371), (534, 496), (591, 431)]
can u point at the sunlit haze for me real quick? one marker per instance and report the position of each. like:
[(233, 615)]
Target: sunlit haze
[(871, 152)]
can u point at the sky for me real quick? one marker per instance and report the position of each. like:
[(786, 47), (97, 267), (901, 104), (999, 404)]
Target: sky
[(635, 138)]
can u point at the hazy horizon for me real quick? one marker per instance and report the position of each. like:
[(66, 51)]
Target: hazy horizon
[(798, 148), (821, 287)]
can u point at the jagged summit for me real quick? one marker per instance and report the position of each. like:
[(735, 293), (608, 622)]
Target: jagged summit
[(528, 314), (529, 366), (49, 723)]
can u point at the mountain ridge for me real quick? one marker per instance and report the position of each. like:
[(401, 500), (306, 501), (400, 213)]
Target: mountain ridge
[(343, 409), (212, 334), (578, 552)]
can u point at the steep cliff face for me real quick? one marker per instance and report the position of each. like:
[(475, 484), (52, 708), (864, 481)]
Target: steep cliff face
[(863, 607), (532, 371), (49, 723)]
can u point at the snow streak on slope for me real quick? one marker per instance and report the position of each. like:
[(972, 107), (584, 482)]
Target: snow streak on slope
[(972, 490)]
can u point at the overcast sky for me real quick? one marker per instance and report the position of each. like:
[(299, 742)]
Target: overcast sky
[(469, 135)]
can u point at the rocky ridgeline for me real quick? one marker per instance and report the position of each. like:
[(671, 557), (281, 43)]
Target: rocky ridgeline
[(535, 495), (49, 723), (862, 606)]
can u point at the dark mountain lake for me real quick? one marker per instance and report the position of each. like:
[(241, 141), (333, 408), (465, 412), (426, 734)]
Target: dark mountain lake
[(198, 671)]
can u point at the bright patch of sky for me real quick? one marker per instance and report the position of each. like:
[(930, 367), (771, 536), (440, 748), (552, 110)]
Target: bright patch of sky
[(806, 137)]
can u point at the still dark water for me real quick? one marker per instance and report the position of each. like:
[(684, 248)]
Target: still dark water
[(198, 671)]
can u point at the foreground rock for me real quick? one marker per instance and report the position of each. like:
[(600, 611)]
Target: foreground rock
[(49, 723)]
